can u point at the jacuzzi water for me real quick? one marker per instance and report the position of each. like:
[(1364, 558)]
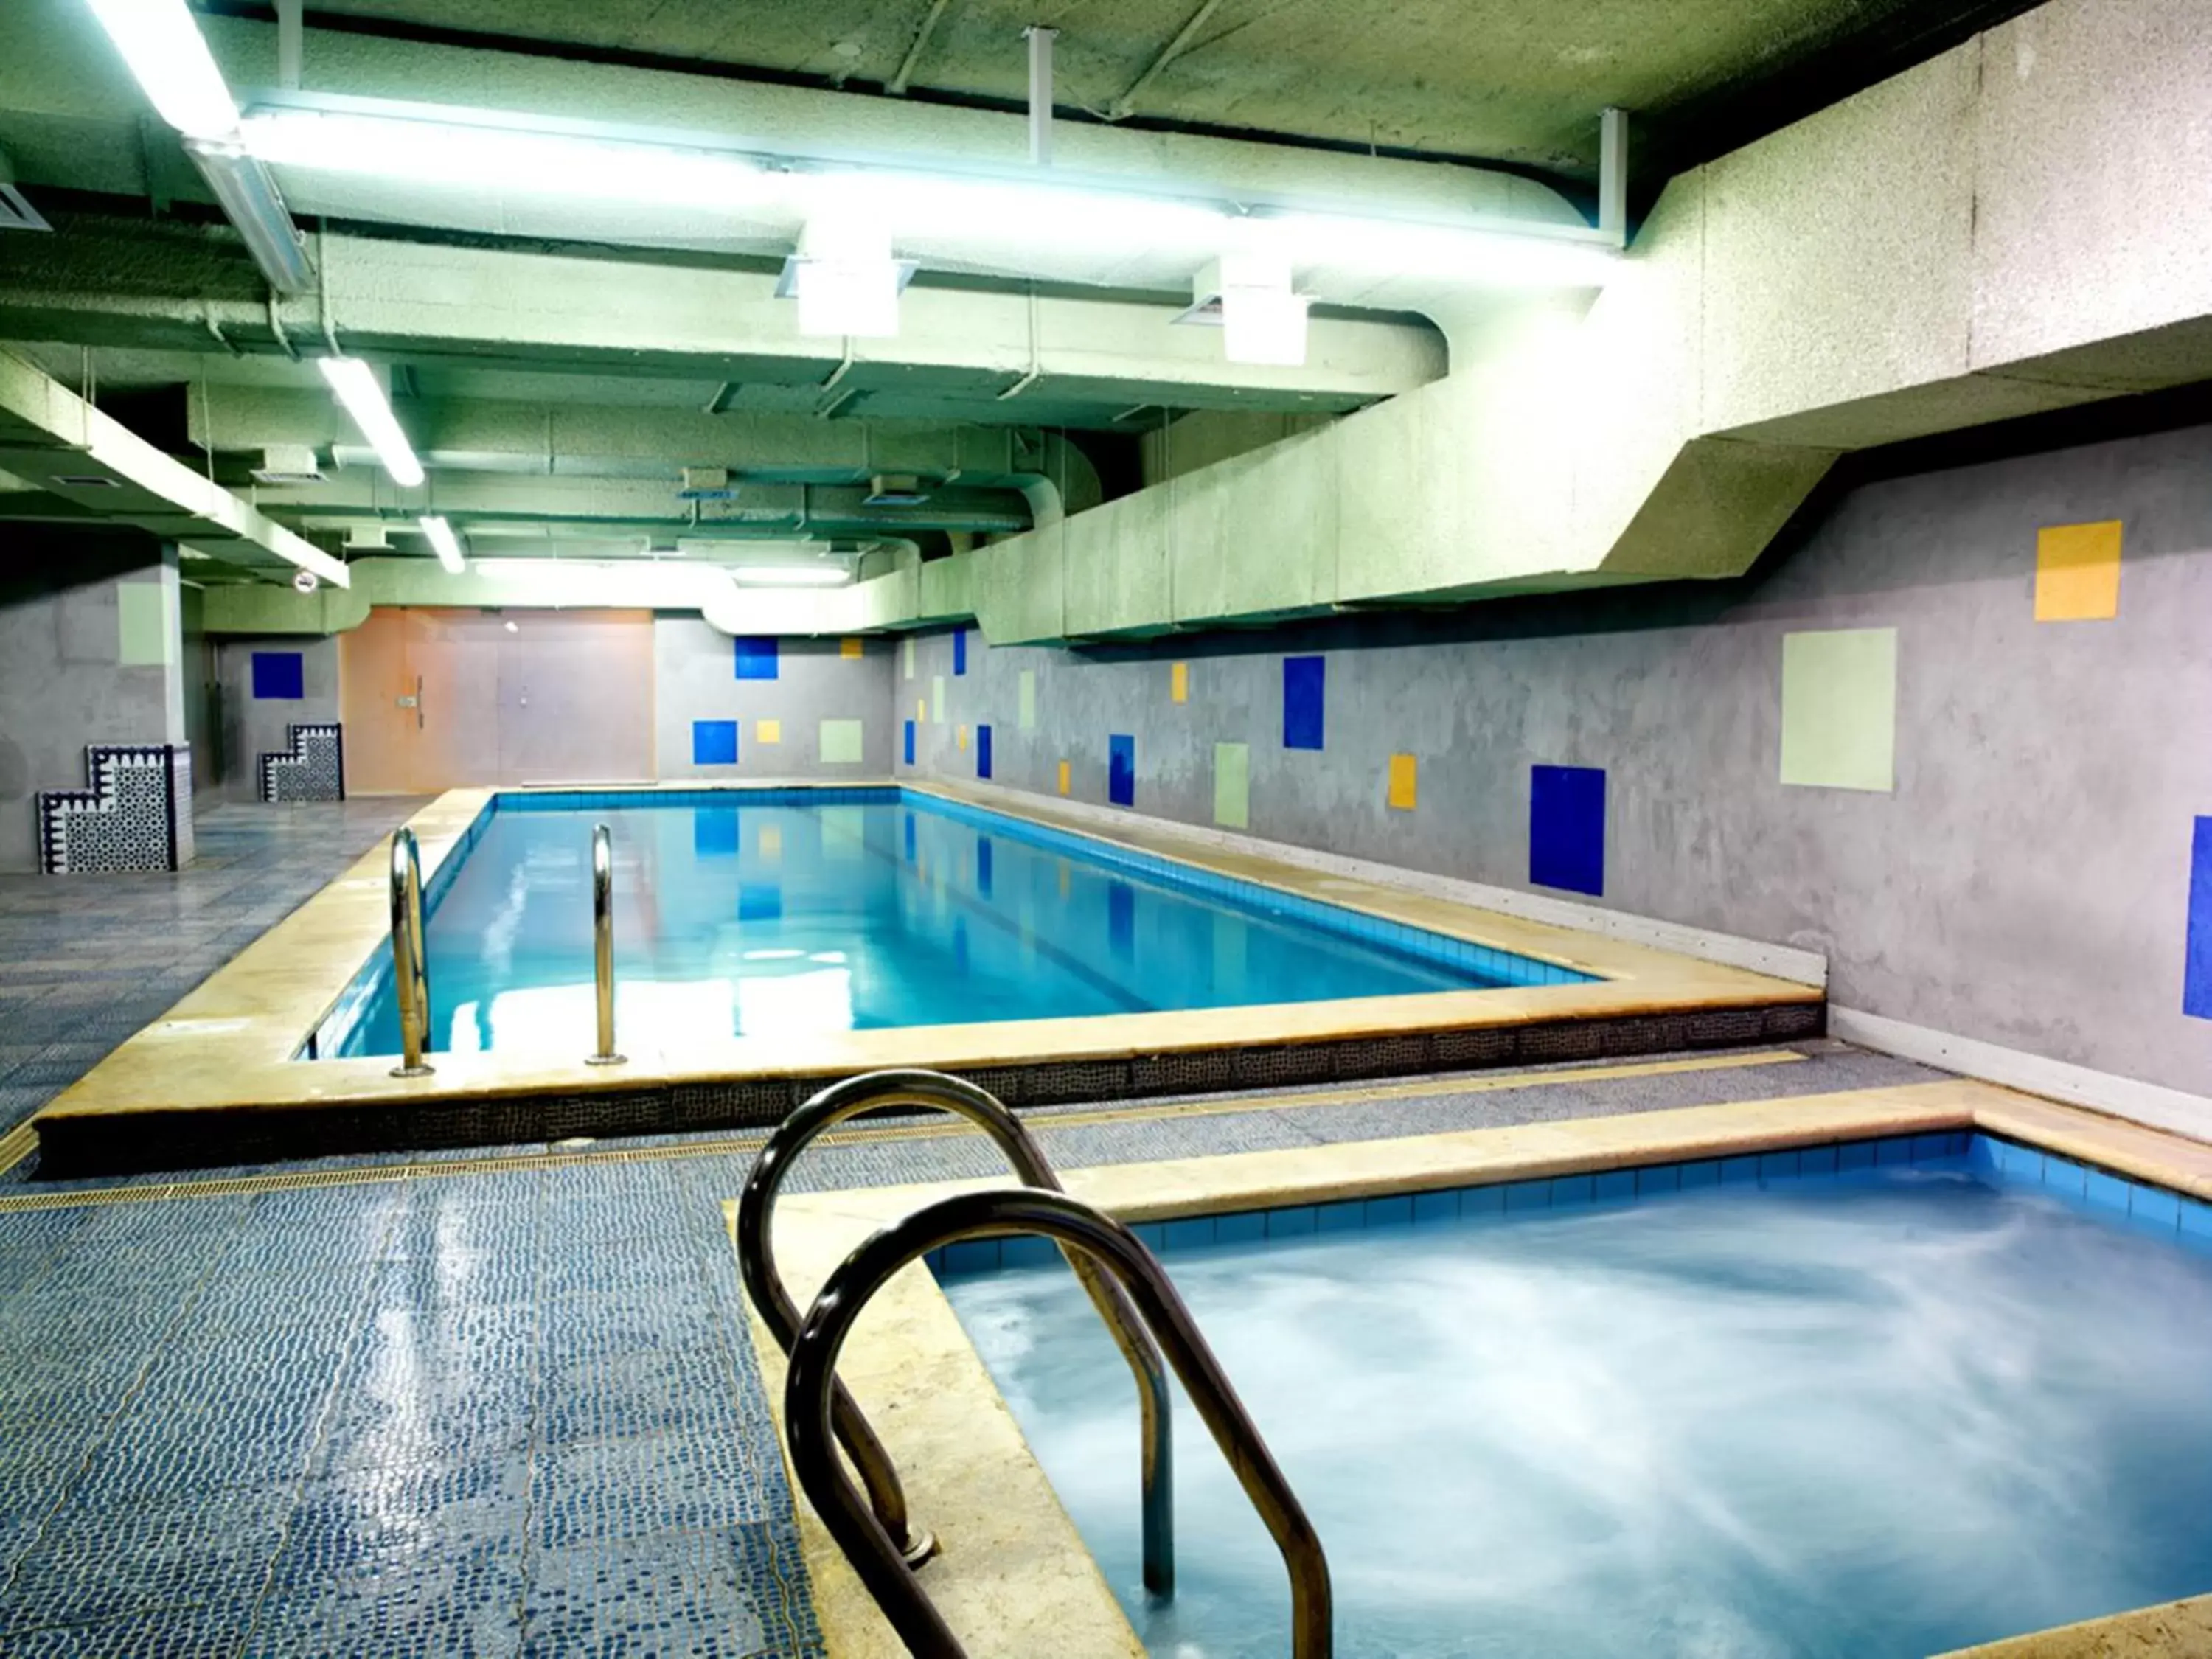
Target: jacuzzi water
[(1878, 1421), (774, 914)]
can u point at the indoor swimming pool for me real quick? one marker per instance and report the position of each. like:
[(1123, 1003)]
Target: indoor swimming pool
[(816, 911), (1879, 1401)]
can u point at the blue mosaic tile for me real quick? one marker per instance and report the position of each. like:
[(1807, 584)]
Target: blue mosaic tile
[(198, 1631), (1819, 1161), (1664, 1178), (1029, 1251), (1389, 1211), (1291, 1221), (96, 1561), (972, 1255), (426, 1385), (613, 1489), (2195, 1218), (1483, 1200), (697, 1595), (459, 1600), (1527, 1195), (1435, 1207), (1700, 1172), (1613, 1184), (1571, 1189), (366, 1521), (1773, 1166), (666, 1390), (246, 1437), (1348, 1216), (2154, 1207), (2105, 1192)]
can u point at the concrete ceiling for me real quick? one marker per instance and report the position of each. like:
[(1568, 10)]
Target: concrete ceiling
[(1513, 82), (559, 383)]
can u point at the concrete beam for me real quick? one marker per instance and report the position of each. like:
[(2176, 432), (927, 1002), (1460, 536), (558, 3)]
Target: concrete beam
[(1952, 246), (54, 440), (127, 283)]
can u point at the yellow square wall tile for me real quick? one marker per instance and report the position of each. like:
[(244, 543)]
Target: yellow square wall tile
[(771, 841), (767, 731), (1404, 774), (1179, 682), (849, 646), (2078, 572), (1063, 777), (959, 736), (921, 711)]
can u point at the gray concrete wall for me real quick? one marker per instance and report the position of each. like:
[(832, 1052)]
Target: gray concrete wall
[(2026, 881), (694, 678), (253, 726), (63, 679)]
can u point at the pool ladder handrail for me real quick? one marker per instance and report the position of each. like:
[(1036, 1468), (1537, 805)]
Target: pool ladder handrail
[(1084, 1233), (411, 973), (603, 945), (876, 1090)]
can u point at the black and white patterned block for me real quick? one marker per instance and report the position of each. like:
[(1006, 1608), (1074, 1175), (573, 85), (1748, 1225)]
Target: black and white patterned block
[(135, 814), (313, 769)]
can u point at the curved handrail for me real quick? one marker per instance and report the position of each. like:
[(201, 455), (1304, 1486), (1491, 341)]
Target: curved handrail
[(757, 1264), (410, 975), (1077, 1228)]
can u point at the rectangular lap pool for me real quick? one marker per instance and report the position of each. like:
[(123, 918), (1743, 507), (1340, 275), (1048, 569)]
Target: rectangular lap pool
[(798, 911), (1872, 1401)]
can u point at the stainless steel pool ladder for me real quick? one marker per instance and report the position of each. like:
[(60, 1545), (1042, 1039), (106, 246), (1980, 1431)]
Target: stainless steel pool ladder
[(876, 1090), (410, 975), (602, 943), (1088, 1236)]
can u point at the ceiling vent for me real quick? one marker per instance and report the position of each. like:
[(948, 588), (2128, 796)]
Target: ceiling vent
[(85, 480), (896, 490), (288, 464), (16, 212), (367, 537)]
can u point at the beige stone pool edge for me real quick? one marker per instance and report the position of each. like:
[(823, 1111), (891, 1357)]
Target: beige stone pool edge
[(229, 1045), (1015, 1578)]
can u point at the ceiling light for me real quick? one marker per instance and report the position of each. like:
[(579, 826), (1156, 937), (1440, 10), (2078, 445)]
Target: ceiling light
[(844, 275), (362, 394), (162, 45), (443, 543), (473, 155), (790, 576), (1248, 294)]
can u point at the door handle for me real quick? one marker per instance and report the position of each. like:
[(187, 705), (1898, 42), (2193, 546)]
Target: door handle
[(418, 703)]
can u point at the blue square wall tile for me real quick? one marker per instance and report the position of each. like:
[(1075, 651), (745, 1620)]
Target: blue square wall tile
[(1122, 770), (959, 651), (1566, 828), (755, 657), (278, 676), (909, 752), (982, 752), (2196, 967), (1304, 682), (1244, 1227), (713, 743)]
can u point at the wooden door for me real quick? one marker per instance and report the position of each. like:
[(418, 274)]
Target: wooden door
[(440, 699)]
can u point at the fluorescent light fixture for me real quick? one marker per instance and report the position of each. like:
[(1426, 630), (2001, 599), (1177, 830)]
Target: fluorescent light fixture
[(508, 160), (362, 394), (1263, 326), (843, 275), (790, 576), (249, 196), (174, 68), (443, 542)]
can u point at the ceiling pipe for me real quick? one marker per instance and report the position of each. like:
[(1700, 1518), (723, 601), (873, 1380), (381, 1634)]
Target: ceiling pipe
[(291, 42), (896, 85), (1040, 39), (1120, 108)]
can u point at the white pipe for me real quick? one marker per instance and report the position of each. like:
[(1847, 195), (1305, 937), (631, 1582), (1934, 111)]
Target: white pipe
[(291, 42), (896, 85), (1040, 39), (1613, 176)]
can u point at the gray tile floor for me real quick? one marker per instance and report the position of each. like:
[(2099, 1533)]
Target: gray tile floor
[(86, 960)]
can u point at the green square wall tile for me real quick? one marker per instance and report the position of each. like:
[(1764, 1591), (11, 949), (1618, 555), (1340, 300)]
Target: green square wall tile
[(146, 625), (1028, 721), (841, 743), (1232, 785), (1839, 708), (937, 699)]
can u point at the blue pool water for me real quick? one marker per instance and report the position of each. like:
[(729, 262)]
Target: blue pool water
[(1874, 1418), (788, 915)]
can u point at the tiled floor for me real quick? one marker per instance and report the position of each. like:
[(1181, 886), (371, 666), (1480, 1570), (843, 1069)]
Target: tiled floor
[(488, 1414), (86, 960)]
